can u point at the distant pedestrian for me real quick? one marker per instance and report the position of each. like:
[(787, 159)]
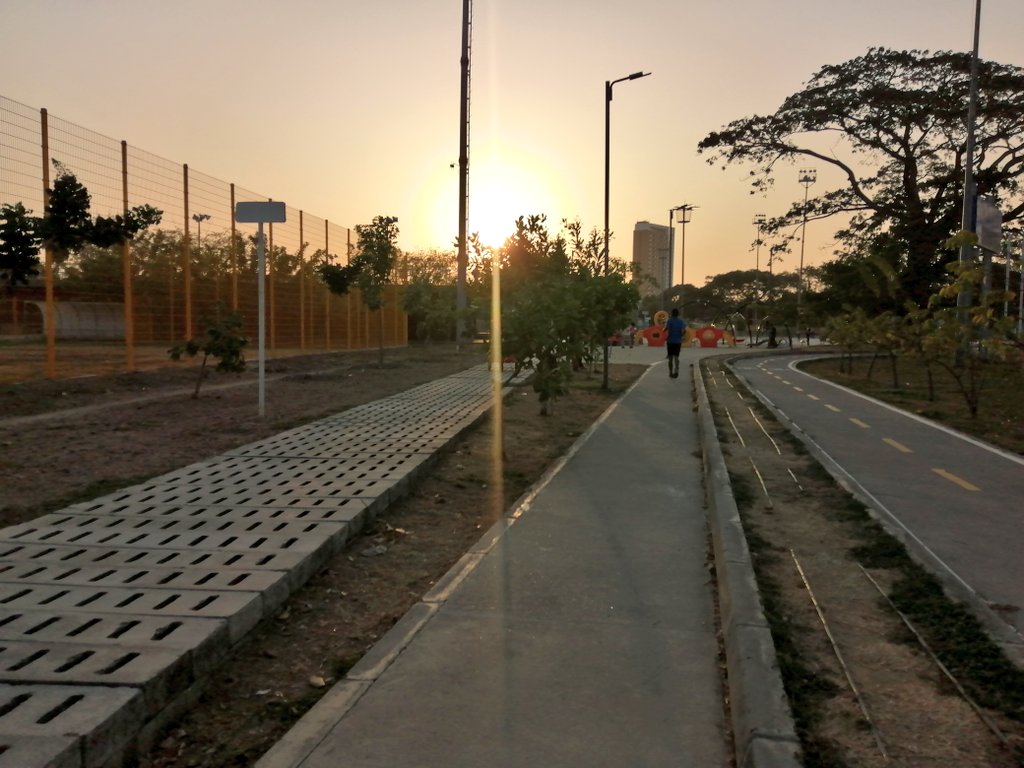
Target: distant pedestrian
[(675, 330), (772, 341), (632, 334)]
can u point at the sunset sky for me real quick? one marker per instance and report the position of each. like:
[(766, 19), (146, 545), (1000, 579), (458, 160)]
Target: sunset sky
[(350, 109)]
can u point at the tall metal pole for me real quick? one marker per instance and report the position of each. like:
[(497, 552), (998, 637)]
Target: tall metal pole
[(1007, 255), (807, 177), (607, 182), (671, 239), (1020, 293), (261, 302), (607, 170), (667, 275), (686, 209), (462, 260), (608, 84), (758, 222), (682, 262), (967, 220)]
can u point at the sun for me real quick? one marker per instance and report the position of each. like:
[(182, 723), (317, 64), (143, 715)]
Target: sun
[(503, 185), (501, 189)]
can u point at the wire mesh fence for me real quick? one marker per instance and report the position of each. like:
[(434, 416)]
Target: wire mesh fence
[(120, 308)]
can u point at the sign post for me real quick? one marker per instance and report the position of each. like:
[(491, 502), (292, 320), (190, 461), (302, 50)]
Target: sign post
[(259, 214)]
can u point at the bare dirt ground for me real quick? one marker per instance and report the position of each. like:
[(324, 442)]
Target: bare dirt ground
[(65, 441), (797, 520)]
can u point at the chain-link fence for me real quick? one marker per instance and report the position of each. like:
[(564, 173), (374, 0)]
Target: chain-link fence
[(120, 308)]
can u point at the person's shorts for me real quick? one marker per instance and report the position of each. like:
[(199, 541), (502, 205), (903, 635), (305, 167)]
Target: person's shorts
[(672, 350)]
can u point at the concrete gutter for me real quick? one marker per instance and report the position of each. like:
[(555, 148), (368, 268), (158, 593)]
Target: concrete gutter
[(763, 729)]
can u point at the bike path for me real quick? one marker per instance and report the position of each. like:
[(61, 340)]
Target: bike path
[(956, 500)]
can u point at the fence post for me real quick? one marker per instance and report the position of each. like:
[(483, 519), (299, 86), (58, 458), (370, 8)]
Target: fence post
[(327, 291), (302, 287), (234, 254), (51, 315), (187, 248), (348, 296), (126, 261), (273, 302)]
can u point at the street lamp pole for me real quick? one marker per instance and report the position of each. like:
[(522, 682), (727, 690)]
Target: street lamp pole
[(967, 219), (686, 209), (807, 177), (759, 220), (608, 84), (199, 218)]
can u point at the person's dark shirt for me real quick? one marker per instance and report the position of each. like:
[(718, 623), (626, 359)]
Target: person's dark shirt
[(674, 330)]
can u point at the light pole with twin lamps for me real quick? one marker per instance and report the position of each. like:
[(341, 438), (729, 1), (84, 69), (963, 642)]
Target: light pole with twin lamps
[(759, 220), (686, 211), (608, 84), (807, 177)]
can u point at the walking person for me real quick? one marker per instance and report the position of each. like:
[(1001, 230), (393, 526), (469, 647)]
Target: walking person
[(675, 330)]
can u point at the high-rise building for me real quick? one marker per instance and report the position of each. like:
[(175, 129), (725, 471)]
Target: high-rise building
[(650, 256)]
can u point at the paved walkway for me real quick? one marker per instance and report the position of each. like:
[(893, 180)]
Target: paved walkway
[(581, 633)]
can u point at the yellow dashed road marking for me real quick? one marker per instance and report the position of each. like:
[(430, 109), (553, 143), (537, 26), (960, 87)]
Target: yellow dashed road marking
[(898, 446), (954, 479), (860, 423)]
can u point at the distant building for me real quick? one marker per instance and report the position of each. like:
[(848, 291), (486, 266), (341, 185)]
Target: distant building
[(650, 255)]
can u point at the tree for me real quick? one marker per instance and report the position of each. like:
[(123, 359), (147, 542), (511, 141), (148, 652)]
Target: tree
[(429, 295), (370, 268), (558, 306), (19, 246), (899, 119), (66, 226), (968, 346), (223, 340)]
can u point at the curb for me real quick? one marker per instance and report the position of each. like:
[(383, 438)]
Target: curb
[(763, 730)]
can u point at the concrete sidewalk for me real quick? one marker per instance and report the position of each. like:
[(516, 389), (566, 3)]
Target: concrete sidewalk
[(579, 632)]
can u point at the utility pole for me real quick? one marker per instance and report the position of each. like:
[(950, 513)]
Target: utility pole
[(462, 259)]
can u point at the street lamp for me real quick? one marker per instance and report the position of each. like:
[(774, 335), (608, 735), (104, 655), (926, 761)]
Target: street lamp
[(759, 220), (969, 212), (686, 211), (199, 218), (807, 177), (608, 84)]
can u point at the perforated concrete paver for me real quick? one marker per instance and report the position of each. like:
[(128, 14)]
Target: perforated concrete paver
[(281, 493), (90, 724), (343, 511), (173, 539), (160, 674), (120, 605), (242, 610), (107, 523), (280, 560), (204, 640), (273, 585)]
